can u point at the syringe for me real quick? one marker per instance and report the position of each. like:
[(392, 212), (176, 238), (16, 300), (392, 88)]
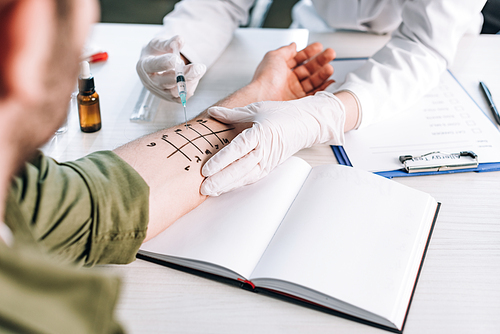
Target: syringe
[(180, 80)]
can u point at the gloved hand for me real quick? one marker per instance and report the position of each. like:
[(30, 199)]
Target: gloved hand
[(156, 68), (280, 129)]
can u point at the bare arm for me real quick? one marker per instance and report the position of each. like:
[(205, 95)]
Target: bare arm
[(170, 160)]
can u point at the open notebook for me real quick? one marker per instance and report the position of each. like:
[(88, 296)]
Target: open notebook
[(335, 236)]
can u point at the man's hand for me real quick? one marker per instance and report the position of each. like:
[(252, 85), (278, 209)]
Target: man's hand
[(285, 74)]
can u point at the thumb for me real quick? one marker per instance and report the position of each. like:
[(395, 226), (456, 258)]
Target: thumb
[(176, 43), (162, 45), (194, 71), (230, 116), (288, 52)]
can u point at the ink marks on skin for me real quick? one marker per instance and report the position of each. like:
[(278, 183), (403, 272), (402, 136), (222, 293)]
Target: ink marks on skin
[(204, 135), (177, 149), (198, 160)]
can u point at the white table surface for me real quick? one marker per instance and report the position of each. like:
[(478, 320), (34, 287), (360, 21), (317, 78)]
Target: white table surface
[(459, 286)]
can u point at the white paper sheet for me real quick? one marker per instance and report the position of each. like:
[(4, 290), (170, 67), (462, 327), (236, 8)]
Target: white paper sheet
[(353, 236), (234, 229), (446, 120)]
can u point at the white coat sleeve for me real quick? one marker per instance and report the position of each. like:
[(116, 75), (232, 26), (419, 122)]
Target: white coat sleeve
[(410, 64), (206, 26)]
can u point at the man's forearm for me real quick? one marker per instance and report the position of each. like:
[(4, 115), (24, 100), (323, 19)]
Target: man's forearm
[(170, 161)]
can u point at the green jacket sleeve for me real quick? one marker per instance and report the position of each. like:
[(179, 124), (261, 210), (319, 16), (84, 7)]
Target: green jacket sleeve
[(90, 211), (40, 295)]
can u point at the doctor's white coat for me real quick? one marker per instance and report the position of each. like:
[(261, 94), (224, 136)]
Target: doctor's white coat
[(424, 39)]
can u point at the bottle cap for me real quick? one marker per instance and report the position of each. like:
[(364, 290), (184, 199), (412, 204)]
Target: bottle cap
[(86, 84)]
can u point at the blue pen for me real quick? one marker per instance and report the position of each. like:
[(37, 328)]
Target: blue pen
[(492, 106)]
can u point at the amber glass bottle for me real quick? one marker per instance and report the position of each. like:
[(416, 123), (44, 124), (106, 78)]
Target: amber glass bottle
[(88, 101)]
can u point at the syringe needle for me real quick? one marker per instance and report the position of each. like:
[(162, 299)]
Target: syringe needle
[(181, 86), (185, 116), (185, 113), (181, 82)]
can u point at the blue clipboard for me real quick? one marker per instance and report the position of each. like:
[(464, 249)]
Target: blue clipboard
[(343, 159)]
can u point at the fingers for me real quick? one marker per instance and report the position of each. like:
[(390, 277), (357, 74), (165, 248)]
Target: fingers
[(194, 71), (241, 145), (287, 52), (168, 80), (323, 58), (161, 70), (307, 53), (315, 64), (322, 87), (156, 68), (193, 74), (314, 73), (231, 116), (161, 63), (242, 172), (158, 46), (159, 57), (317, 79)]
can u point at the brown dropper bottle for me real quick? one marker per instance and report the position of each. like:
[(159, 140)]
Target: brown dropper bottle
[(88, 101)]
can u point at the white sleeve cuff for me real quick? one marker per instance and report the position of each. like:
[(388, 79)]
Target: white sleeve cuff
[(364, 100)]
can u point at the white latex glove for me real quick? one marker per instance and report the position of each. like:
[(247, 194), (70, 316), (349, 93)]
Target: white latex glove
[(156, 68), (279, 130)]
